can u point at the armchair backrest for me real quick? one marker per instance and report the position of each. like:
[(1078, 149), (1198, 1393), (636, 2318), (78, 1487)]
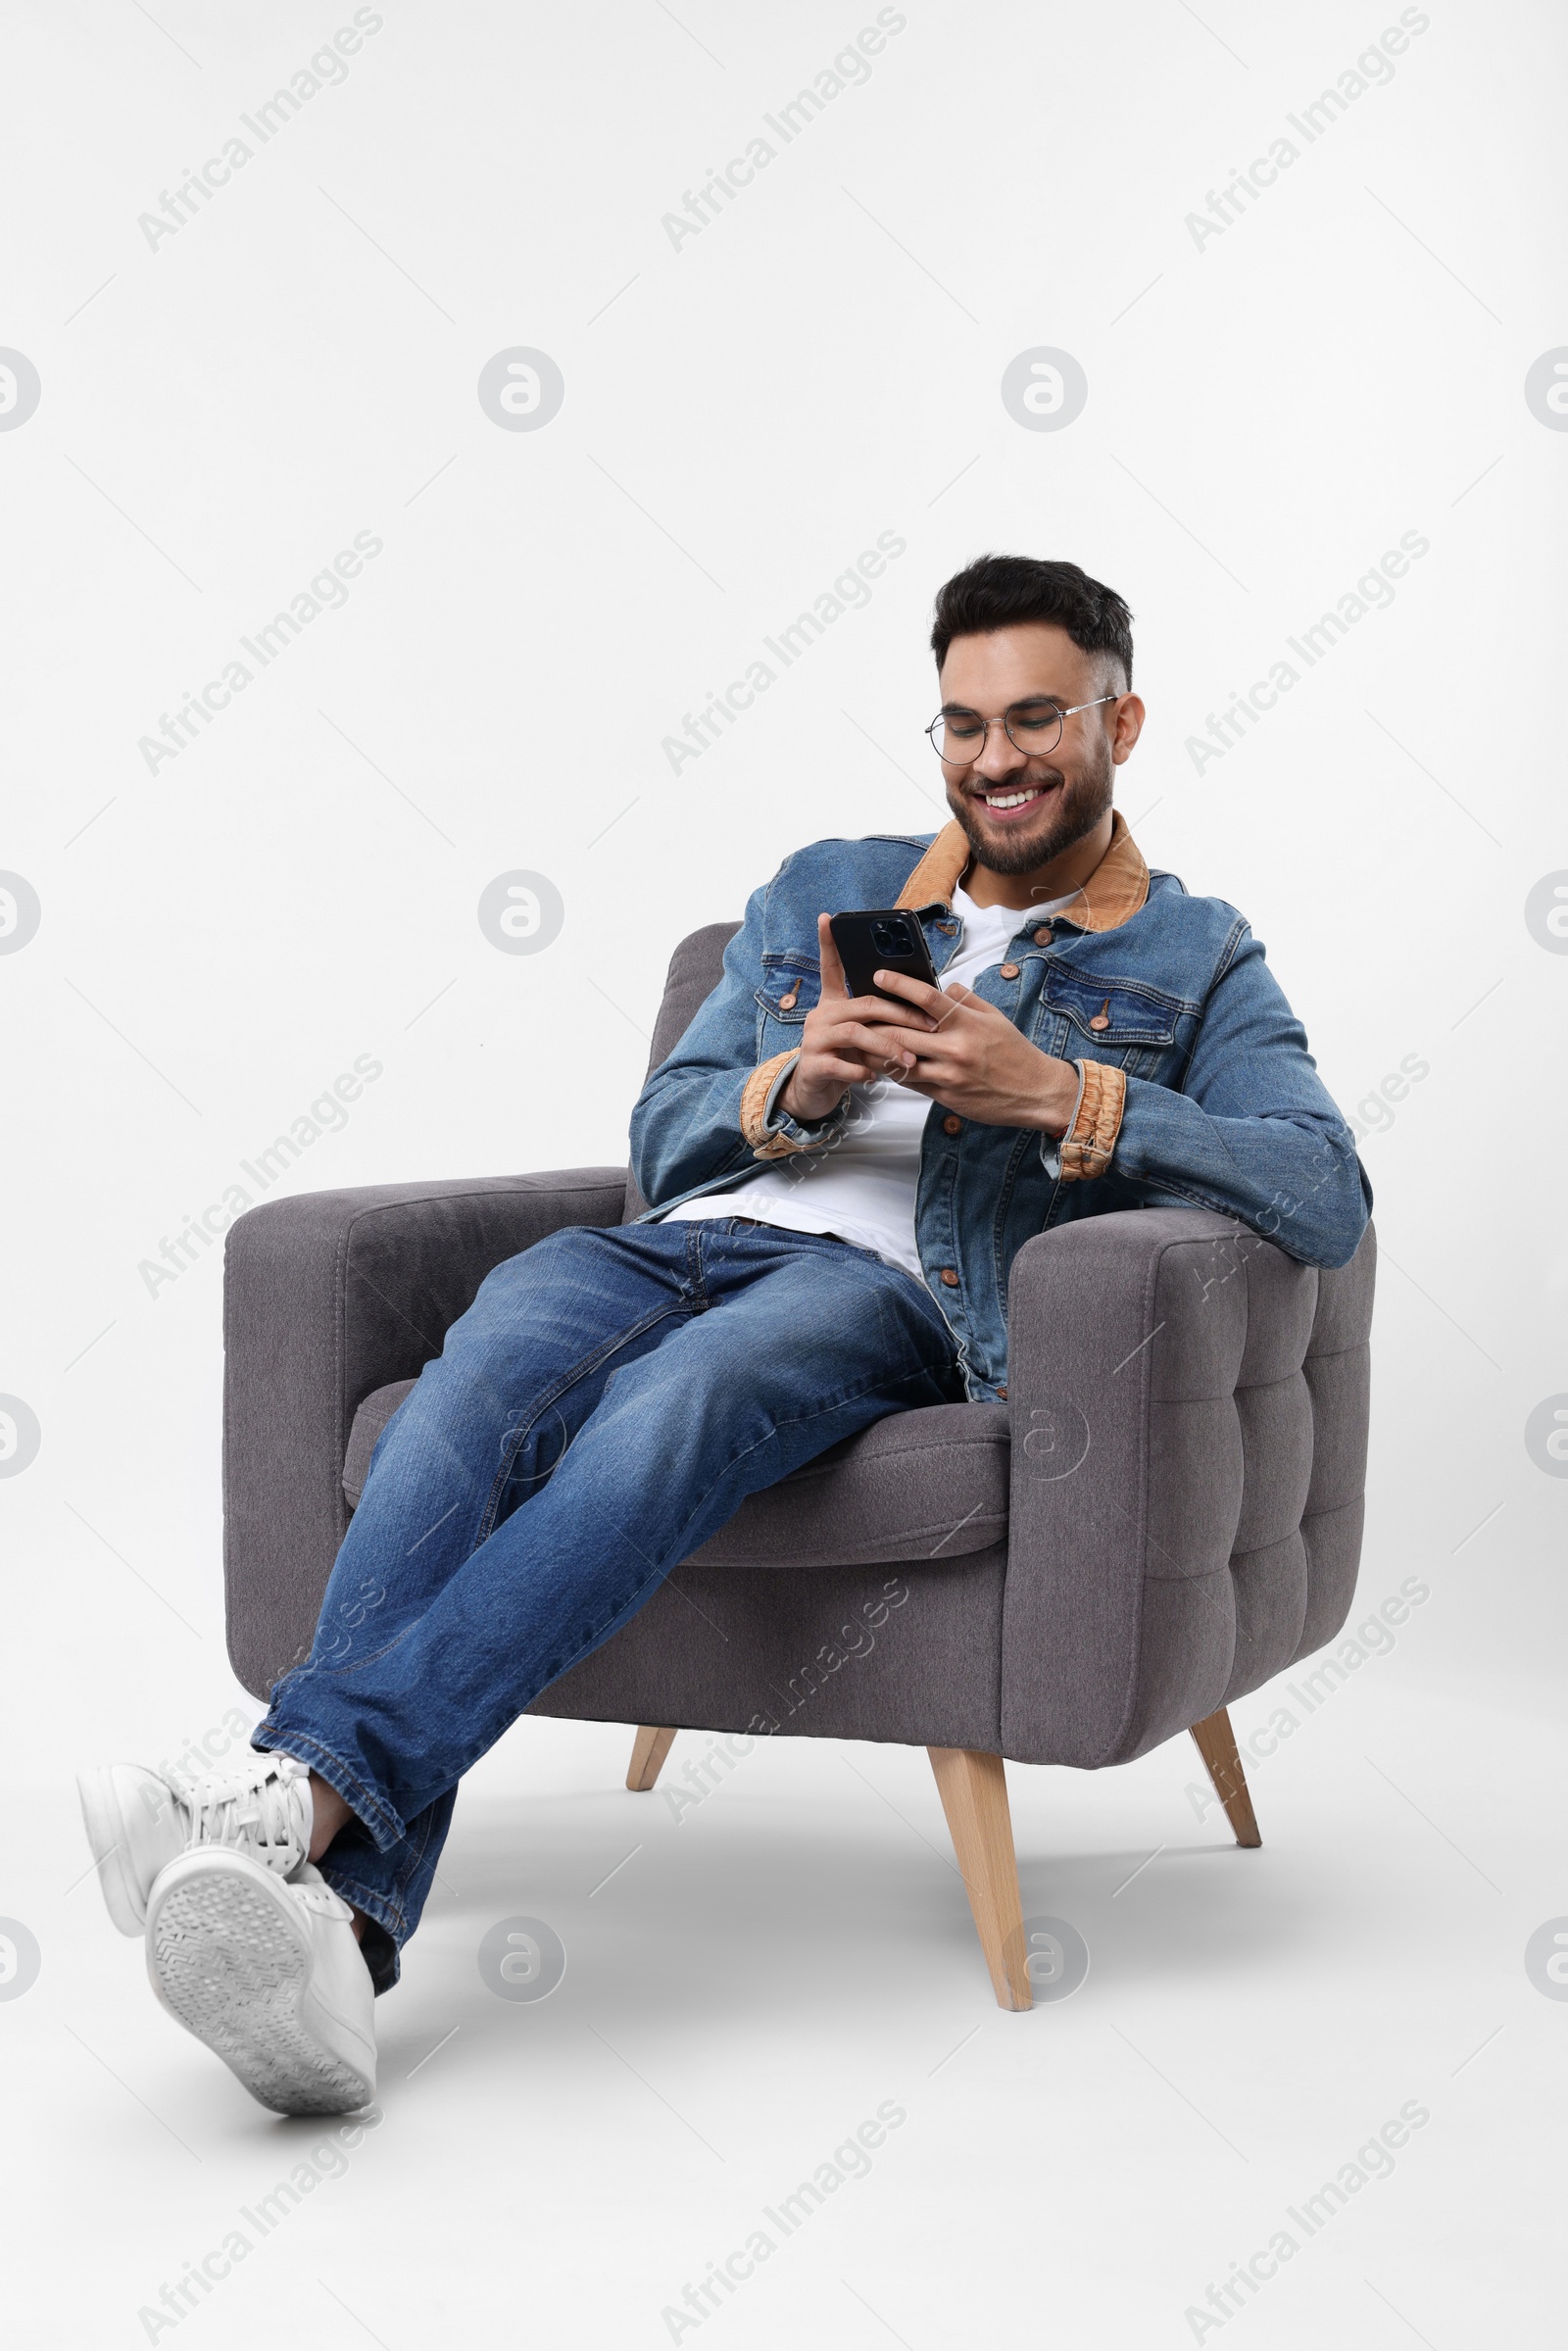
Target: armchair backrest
[(695, 970)]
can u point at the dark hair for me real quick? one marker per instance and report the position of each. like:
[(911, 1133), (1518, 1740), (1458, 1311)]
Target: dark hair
[(1003, 591)]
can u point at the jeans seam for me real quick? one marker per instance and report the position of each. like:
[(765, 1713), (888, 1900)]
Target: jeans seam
[(374, 1904), (563, 1385), (334, 1673), (694, 1263), (385, 1908)]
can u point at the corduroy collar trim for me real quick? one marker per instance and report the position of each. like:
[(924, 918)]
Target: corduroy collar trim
[(1111, 897)]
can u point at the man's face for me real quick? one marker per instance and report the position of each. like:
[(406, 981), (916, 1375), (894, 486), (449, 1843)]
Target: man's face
[(1020, 808)]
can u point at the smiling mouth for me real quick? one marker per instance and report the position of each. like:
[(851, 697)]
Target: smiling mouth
[(1012, 800)]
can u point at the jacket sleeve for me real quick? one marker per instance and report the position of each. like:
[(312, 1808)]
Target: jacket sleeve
[(711, 1109), (1254, 1131)]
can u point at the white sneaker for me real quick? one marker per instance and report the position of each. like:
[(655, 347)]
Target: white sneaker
[(136, 1827), (138, 1823), (267, 1974)]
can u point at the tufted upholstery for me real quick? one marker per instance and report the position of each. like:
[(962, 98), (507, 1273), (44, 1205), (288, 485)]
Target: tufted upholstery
[(1210, 1533)]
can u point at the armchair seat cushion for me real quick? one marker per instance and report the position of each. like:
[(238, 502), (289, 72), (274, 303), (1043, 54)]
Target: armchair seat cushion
[(925, 1485)]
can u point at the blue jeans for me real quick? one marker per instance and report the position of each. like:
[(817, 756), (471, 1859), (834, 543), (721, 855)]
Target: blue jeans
[(606, 1404)]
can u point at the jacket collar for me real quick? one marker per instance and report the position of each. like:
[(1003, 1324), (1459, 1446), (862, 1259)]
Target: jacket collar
[(1111, 897)]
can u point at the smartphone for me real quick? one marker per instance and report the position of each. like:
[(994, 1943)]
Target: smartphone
[(881, 939)]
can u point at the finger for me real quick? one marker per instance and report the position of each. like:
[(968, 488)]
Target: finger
[(914, 1045), (840, 1052), (879, 1045), (881, 1060), (872, 1054), (834, 981), (873, 1010), (956, 998), (912, 991)]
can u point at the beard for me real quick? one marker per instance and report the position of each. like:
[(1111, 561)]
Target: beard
[(1064, 818)]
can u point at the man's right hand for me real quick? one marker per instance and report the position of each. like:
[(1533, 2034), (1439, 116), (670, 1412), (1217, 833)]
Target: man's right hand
[(841, 1045)]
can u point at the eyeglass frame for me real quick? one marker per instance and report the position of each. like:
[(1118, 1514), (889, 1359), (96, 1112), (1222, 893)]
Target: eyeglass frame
[(1062, 717)]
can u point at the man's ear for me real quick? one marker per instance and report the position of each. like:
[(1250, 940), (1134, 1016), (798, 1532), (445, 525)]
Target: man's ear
[(1127, 724)]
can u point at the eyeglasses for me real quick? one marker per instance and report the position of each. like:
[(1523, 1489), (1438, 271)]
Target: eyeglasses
[(959, 737)]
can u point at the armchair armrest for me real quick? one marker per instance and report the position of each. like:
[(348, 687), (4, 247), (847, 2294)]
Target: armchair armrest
[(1189, 1415), (327, 1295)]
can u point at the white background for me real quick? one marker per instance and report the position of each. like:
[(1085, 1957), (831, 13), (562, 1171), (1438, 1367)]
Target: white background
[(1268, 412)]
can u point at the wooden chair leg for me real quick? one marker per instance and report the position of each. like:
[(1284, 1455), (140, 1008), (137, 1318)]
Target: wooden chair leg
[(974, 1789), (649, 1749), (1215, 1742)]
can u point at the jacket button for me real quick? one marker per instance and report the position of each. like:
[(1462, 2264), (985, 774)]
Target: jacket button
[(950, 1277), (787, 1003), (1043, 935), (1003, 1391), (951, 1125), (1099, 1021), (1010, 972)]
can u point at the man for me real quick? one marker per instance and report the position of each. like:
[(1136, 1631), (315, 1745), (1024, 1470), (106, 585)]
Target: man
[(841, 1184)]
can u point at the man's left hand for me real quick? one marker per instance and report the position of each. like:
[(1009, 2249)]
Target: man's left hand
[(977, 1062)]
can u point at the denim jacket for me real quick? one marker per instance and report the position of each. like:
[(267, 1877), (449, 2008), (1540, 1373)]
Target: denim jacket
[(1196, 1085)]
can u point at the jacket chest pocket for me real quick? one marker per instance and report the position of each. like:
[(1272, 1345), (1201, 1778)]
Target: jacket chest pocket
[(790, 988), (1110, 1020)]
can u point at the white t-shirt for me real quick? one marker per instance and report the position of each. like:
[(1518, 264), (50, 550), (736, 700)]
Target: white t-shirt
[(862, 1187)]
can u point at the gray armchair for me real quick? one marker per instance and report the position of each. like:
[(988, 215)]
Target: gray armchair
[(1165, 1513)]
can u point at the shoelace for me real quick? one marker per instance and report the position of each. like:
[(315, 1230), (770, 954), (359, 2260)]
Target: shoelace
[(253, 1808)]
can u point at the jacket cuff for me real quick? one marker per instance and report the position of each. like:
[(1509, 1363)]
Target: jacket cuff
[(1086, 1148), (771, 1132)]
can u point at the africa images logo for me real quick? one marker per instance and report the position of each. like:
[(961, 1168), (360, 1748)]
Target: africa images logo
[(19, 913), (521, 913), (1546, 389), (1043, 389), (20, 389), (521, 388), (19, 1435)]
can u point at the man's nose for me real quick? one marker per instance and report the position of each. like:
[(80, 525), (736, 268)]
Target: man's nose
[(1001, 756)]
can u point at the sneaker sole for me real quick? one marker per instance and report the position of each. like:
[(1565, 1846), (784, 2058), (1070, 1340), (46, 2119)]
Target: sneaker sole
[(105, 1824), (227, 1961)]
